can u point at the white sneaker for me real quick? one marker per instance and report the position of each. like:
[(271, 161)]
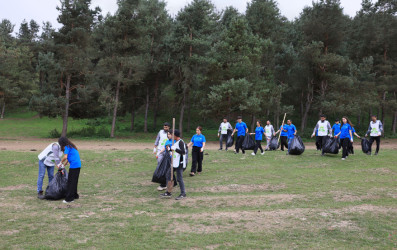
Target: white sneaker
[(160, 188), (64, 201), (343, 159), (262, 153), (252, 153)]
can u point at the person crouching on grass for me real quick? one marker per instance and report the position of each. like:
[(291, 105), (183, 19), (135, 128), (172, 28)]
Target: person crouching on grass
[(71, 156), (179, 163)]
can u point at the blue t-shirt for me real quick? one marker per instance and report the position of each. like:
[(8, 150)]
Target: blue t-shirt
[(258, 133), (291, 130), (283, 133), (198, 140), (73, 157), (336, 128), (241, 128), (353, 131), (345, 131), (169, 143)]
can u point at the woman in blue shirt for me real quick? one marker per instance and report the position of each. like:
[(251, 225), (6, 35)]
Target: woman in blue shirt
[(259, 132), (198, 142), (345, 136), (71, 156)]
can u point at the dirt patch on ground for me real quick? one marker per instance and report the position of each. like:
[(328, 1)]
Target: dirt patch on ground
[(17, 187), (240, 188), (38, 144)]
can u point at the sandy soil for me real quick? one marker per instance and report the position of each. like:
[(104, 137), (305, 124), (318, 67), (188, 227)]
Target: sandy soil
[(35, 144)]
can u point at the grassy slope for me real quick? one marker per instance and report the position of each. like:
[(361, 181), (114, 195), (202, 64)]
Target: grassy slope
[(239, 202)]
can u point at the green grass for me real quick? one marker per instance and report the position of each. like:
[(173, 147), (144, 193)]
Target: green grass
[(271, 201)]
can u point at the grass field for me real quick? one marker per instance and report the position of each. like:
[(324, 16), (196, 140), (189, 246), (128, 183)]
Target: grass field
[(271, 201)]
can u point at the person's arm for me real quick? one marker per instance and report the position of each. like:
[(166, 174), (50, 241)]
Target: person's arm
[(156, 143), (181, 149), (329, 129), (229, 126), (55, 152), (272, 131), (64, 160), (284, 130), (202, 148), (369, 130), (314, 131), (351, 136), (357, 135), (380, 127), (220, 129), (336, 136)]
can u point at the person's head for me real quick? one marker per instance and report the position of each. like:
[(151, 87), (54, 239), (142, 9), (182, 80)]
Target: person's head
[(177, 134), (224, 119), (169, 135), (373, 118), (198, 130), (346, 120), (63, 142), (166, 126), (268, 122), (239, 119), (289, 122), (337, 121), (323, 117), (258, 123)]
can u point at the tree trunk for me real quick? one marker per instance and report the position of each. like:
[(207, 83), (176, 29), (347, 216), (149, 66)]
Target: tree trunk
[(359, 119), (394, 122), (182, 112), (383, 107), (146, 109), (253, 124), (156, 102), (309, 101), (116, 104), (67, 101), (3, 108), (132, 116), (188, 115)]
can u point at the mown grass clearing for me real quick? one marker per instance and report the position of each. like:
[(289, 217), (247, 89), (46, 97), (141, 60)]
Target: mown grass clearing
[(239, 201)]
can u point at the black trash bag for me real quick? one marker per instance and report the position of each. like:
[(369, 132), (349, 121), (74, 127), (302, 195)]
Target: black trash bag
[(331, 146), (365, 145), (274, 144), (230, 141), (57, 188), (159, 175), (248, 143), (296, 147)]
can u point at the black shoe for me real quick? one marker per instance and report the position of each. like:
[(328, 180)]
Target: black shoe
[(282, 149), (40, 195), (166, 195), (220, 149), (180, 197), (225, 149), (369, 153), (235, 153), (77, 196)]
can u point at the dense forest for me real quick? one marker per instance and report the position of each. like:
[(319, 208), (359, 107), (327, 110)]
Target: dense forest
[(204, 64)]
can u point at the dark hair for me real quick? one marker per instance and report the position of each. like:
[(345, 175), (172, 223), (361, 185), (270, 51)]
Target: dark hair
[(239, 117), (373, 116), (323, 115), (200, 128), (224, 118), (177, 133), (166, 124), (336, 120), (348, 121), (260, 123), (63, 142)]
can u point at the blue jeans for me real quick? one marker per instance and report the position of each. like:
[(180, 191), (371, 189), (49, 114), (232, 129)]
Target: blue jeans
[(42, 168)]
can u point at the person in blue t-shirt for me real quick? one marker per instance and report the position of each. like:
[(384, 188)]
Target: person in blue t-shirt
[(291, 130), (336, 130), (198, 142), (241, 129), (71, 156), (259, 132), (345, 136), (283, 136)]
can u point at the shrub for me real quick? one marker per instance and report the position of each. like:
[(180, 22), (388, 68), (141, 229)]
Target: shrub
[(54, 133)]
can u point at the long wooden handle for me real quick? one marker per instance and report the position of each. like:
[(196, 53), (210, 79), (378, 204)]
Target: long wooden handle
[(285, 114), (172, 152)]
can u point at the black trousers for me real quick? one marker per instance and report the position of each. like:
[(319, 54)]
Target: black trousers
[(351, 149), (221, 139), (73, 181), (258, 145), (197, 159), (371, 140), (345, 147), (239, 143), (320, 142), (283, 142)]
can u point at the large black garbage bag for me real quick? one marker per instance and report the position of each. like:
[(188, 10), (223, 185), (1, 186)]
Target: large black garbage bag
[(296, 147), (230, 140), (57, 188), (248, 143), (331, 146), (365, 145), (274, 144), (159, 175)]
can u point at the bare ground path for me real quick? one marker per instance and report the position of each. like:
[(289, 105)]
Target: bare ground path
[(35, 144)]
